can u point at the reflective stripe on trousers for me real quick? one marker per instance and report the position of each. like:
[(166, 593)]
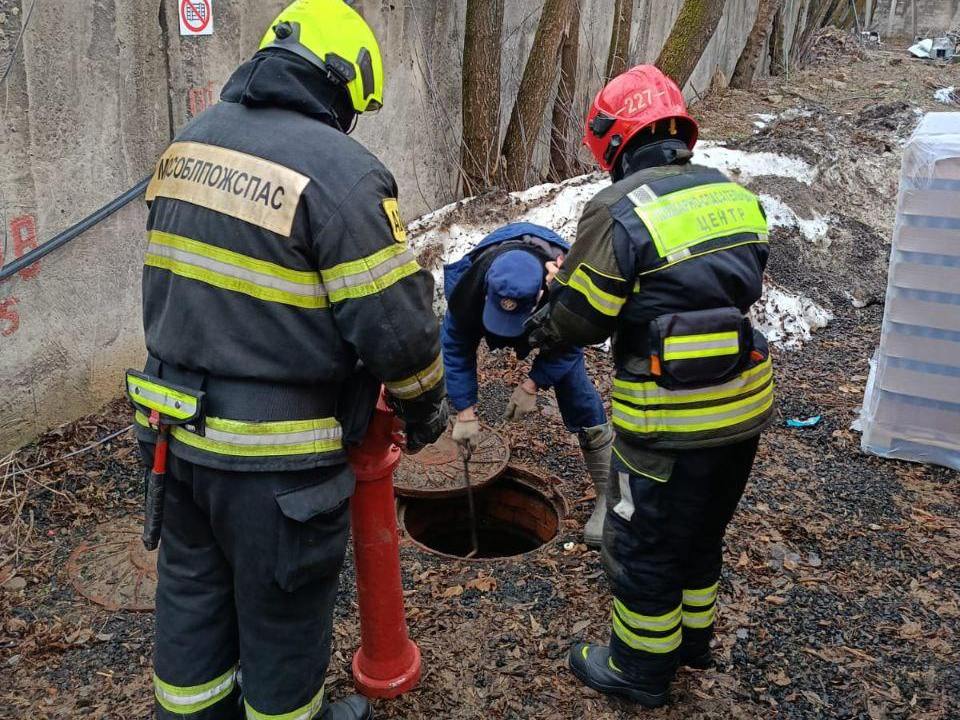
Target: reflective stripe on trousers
[(657, 634), (188, 700), (305, 712)]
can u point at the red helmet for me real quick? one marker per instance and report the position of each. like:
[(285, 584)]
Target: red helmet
[(638, 99)]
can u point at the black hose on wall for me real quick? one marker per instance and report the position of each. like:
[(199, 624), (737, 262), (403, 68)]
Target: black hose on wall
[(72, 232)]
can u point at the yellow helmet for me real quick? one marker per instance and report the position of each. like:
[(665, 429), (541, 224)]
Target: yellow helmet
[(332, 36)]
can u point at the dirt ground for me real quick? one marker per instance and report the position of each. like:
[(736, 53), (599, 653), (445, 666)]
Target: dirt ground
[(841, 594)]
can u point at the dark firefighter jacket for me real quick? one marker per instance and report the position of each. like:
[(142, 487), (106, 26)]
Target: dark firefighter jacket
[(668, 261), (466, 290), (277, 260)]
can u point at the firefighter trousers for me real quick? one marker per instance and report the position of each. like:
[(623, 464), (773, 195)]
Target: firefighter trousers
[(662, 550), (248, 569)]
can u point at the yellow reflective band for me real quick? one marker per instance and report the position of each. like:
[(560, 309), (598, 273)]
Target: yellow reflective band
[(585, 650), (649, 393), (701, 598), (762, 240), (369, 275), (634, 470), (188, 700), (685, 218), (306, 712), (680, 347), (651, 645), (228, 270), (647, 622), (418, 384), (694, 419), (271, 439), (699, 620), (613, 665), (603, 302), (164, 400)]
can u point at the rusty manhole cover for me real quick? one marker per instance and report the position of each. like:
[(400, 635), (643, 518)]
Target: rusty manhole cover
[(437, 470), (113, 569)]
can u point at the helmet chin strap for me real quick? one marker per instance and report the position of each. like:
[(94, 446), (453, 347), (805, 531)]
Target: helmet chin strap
[(648, 155)]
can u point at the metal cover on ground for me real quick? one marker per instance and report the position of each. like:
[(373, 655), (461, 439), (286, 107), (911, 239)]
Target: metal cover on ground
[(113, 569), (437, 470)]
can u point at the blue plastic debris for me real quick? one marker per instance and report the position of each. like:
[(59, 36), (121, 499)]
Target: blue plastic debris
[(809, 422)]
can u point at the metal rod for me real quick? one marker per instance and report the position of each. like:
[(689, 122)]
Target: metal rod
[(470, 506), (70, 233)]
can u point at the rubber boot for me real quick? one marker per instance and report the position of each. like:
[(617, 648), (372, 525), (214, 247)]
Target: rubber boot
[(594, 666), (596, 444), (352, 707)]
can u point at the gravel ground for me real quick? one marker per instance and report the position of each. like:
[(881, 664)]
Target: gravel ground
[(840, 597)]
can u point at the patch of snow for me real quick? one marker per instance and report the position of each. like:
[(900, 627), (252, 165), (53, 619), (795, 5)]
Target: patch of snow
[(779, 214), (788, 319), (562, 213), (762, 120), (748, 165), (945, 95)]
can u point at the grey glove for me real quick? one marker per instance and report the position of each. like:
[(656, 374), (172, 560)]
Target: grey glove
[(521, 403), (466, 434)]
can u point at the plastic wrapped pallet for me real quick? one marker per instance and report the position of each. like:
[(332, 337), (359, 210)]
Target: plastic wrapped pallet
[(912, 406)]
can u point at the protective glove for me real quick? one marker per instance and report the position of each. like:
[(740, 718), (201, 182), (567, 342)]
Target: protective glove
[(521, 403), (466, 434), (425, 431)]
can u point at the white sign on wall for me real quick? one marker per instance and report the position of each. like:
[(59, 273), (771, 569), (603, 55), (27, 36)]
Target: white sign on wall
[(196, 17)]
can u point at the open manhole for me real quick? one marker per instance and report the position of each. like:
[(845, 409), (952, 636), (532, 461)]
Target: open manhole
[(437, 470), (113, 569), (517, 514)]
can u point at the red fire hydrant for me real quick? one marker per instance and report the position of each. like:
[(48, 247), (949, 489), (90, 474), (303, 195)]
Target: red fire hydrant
[(388, 662)]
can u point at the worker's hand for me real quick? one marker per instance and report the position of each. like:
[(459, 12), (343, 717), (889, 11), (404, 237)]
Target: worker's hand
[(553, 267), (523, 401), (426, 431), (466, 430)]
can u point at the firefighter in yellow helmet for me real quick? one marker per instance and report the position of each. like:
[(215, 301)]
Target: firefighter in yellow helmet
[(278, 294)]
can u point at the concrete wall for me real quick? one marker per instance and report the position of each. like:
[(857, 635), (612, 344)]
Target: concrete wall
[(894, 18), (98, 88)]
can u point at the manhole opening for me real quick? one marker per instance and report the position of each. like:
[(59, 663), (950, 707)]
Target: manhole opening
[(514, 516)]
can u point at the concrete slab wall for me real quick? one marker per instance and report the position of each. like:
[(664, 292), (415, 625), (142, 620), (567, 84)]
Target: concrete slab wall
[(894, 18), (98, 88)]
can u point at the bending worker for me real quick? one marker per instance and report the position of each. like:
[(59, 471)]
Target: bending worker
[(276, 260), (490, 295), (668, 261)]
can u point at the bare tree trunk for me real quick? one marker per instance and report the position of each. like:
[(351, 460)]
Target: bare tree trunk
[(778, 58), (536, 87), (817, 14), (618, 55), (749, 61), (688, 39), (563, 153), (481, 94)]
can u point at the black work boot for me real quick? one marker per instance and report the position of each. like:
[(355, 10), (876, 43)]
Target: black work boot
[(696, 659), (352, 707), (594, 666)]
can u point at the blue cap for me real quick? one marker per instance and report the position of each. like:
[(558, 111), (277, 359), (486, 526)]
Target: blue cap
[(514, 281)]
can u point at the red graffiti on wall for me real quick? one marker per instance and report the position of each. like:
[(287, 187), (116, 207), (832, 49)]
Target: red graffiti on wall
[(200, 99), (23, 230), (9, 318)]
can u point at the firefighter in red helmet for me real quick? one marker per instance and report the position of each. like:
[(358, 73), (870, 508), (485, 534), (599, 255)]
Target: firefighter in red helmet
[(667, 261)]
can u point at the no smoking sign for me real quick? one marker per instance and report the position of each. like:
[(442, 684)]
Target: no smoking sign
[(196, 17)]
